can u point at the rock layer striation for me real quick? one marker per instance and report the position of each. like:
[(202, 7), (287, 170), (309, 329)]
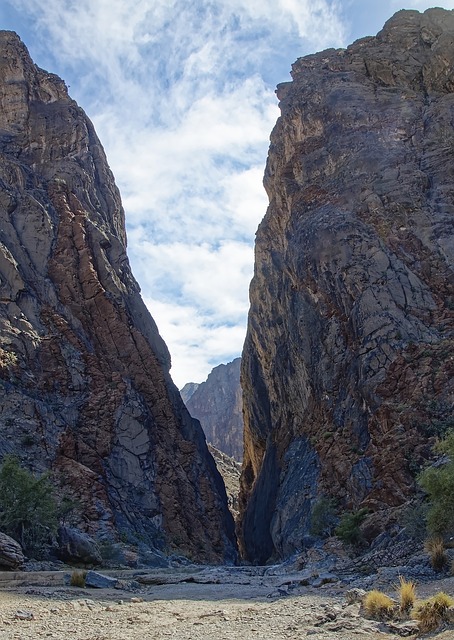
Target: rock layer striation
[(347, 368), (85, 389)]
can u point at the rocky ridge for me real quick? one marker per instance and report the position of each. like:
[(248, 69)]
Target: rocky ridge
[(217, 403), (85, 389), (347, 368)]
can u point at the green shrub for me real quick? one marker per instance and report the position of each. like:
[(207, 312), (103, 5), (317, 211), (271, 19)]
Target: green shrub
[(28, 510), (414, 519), (438, 483), (323, 517), (348, 529)]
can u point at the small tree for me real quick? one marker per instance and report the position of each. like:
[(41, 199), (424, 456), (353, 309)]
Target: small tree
[(348, 529), (323, 517), (438, 483), (28, 510)]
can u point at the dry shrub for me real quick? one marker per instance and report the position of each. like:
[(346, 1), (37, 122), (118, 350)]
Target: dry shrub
[(407, 594), (433, 612), (378, 605), (435, 547), (78, 579)]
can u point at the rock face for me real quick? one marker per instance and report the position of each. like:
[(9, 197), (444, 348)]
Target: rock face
[(84, 375), (217, 403), (348, 362), (11, 554), (230, 470), (188, 390)]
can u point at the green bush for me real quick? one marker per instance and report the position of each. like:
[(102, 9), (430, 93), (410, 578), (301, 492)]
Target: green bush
[(28, 510), (323, 517), (348, 529), (438, 483)]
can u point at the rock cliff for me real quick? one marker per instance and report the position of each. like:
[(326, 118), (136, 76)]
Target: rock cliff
[(347, 368), (84, 375), (217, 403)]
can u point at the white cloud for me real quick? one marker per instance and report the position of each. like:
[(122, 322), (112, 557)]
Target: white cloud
[(182, 98)]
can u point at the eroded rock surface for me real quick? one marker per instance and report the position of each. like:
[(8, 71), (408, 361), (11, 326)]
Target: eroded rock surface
[(85, 388), (11, 554), (230, 470), (348, 362), (217, 403)]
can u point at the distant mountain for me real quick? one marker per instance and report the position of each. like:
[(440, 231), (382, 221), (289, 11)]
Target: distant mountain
[(217, 403), (188, 390)]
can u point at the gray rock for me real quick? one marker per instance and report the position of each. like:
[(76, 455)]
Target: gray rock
[(403, 629), (97, 580), (74, 546), (324, 578), (355, 595), (218, 404), (11, 554), (22, 614)]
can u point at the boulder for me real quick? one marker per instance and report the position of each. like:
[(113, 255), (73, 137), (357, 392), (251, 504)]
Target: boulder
[(11, 554), (99, 581), (74, 546)]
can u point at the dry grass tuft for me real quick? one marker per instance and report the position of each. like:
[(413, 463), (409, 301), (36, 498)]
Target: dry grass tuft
[(432, 612), (78, 579), (435, 547), (378, 605), (407, 594)]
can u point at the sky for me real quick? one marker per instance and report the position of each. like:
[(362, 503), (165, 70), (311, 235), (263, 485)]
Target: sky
[(182, 96)]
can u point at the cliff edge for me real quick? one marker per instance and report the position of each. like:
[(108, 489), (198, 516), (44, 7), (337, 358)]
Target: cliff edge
[(347, 368), (85, 390)]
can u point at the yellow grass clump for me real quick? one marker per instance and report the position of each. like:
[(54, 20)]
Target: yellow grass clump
[(78, 578), (431, 613), (406, 590), (435, 547), (378, 605)]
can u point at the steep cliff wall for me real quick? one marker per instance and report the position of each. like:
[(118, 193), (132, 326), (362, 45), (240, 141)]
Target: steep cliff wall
[(217, 403), (348, 363), (85, 388)]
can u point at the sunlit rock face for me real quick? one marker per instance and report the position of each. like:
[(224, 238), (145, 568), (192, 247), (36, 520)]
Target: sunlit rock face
[(217, 403), (347, 368), (84, 374)]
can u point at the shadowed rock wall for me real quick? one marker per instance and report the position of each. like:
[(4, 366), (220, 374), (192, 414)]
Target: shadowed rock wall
[(347, 369), (85, 388)]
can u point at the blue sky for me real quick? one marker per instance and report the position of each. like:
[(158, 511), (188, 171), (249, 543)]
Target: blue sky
[(181, 93)]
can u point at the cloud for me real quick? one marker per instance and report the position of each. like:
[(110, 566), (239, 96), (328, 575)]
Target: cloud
[(182, 97)]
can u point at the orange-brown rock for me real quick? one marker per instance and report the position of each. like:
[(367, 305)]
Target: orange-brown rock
[(348, 363), (84, 374)]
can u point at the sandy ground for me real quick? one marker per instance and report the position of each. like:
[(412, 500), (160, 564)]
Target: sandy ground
[(186, 611)]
